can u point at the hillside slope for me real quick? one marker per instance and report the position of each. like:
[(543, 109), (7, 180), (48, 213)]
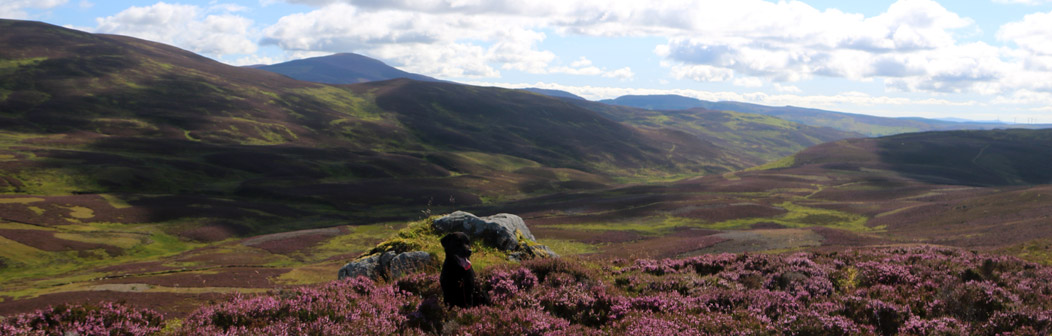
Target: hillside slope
[(94, 114), (342, 68), (755, 137), (977, 158)]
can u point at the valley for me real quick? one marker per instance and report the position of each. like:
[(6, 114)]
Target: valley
[(139, 172)]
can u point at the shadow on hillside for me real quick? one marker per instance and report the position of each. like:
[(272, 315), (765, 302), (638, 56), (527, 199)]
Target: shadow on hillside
[(974, 158), (268, 188)]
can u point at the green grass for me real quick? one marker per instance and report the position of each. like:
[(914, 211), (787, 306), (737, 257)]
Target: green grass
[(8, 66), (361, 238), (655, 226), (32, 272), (498, 162), (784, 162), (1037, 250), (344, 101), (566, 247), (55, 181), (799, 216)]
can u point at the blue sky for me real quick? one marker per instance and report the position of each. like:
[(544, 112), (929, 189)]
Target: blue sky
[(980, 59)]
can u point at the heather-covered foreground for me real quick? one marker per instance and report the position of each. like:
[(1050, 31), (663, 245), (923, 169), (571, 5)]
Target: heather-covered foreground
[(883, 291)]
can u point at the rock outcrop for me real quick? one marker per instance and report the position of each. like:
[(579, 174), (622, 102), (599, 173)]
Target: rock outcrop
[(388, 265), (394, 258), (503, 231)]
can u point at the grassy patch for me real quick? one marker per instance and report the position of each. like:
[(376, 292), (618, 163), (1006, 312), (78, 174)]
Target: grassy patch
[(1038, 251), (17, 255), (656, 226), (55, 181), (80, 212), (566, 247), (306, 275), (801, 217), (498, 162), (361, 238), (115, 201), (50, 269), (8, 66), (20, 200), (344, 101), (119, 239), (784, 162)]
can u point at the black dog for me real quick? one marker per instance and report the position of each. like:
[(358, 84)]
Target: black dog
[(458, 279)]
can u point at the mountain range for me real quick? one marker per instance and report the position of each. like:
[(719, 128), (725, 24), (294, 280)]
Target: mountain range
[(348, 68), (850, 122)]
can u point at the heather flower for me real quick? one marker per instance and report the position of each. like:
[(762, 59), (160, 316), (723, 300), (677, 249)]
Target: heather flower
[(648, 324), (944, 326), (351, 307), (106, 318), (873, 291), (503, 285), (1023, 322), (502, 321), (976, 301)]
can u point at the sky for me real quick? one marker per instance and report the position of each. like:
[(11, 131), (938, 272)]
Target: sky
[(971, 59)]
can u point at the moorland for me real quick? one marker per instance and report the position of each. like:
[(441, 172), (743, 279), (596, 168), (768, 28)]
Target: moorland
[(139, 172)]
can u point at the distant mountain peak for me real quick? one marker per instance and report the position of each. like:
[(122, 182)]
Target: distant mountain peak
[(341, 68)]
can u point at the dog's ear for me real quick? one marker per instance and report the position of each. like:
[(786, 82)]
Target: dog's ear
[(446, 240)]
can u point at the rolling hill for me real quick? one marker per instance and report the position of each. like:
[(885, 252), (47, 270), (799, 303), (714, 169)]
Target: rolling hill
[(974, 158), (757, 137), (342, 68), (167, 132), (849, 122)]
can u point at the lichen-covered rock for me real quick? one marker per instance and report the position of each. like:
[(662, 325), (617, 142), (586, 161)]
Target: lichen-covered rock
[(366, 267), (503, 231), (388, 265), (498, 230)]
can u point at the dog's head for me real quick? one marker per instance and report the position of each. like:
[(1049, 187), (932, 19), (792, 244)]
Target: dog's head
[(458, 247)]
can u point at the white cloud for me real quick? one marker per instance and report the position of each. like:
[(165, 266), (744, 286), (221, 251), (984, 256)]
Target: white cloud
[(516, 49), (453, 60), (415, 42), (184, 26), (796, 42), (701, 73), (448, 34), (750, 82), (226, 7), (1034, 33), (1023, 2), (787, 88), (913, 46), (621, 74), (745, 42), (255, 60), (16, 9)]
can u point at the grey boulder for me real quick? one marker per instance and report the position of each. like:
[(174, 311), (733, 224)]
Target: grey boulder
[(388, 265), (503, 231)]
